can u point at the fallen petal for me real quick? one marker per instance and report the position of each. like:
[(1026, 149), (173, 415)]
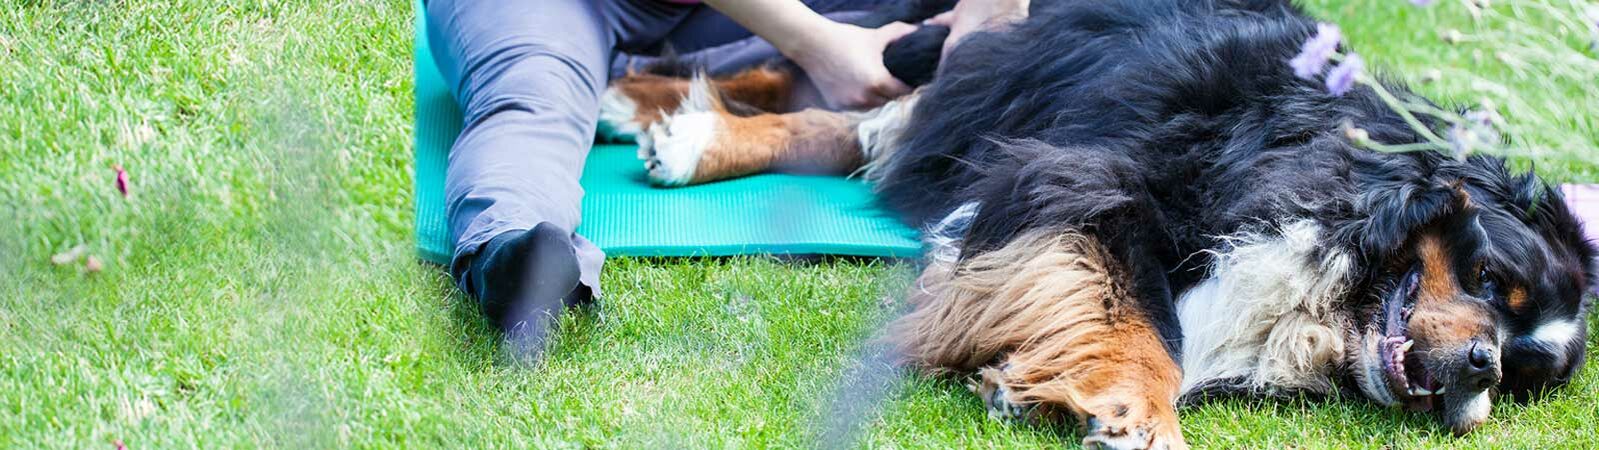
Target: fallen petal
[(122, 179), (67, 257)]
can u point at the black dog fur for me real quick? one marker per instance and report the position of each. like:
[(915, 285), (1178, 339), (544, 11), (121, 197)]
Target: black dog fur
[(1159, 125)]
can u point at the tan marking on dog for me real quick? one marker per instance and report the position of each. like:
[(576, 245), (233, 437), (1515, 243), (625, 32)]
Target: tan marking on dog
[(1441, 318), (1056, 310), (761, 88), (652, 95), (810, 141), (1437, 270), (1448, 325), (1462, 197), (1517, 299)]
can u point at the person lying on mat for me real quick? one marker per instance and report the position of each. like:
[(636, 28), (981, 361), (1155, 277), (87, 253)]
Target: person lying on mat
[(529, 75)]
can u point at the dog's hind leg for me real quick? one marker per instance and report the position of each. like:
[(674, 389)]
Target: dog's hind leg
[(702, 141), (1050, 324)]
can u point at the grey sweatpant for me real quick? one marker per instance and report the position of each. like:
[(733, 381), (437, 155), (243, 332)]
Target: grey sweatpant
[(528, 75)]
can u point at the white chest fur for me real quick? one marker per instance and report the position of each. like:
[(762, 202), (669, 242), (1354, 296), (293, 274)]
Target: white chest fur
[(1266, 316)]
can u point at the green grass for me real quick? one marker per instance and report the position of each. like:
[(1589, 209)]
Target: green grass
[(260, 287)]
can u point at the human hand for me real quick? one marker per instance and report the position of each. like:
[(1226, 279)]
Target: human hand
[(845, 62), (975, 15)]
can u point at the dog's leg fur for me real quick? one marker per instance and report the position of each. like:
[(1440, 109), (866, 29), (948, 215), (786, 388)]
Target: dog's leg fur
[(1049, 323), (634, 102), (702, 141)]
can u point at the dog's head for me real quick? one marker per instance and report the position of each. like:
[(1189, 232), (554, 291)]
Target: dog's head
[(1476, 291)]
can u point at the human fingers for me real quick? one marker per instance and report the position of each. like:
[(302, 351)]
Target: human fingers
[(893, 31)]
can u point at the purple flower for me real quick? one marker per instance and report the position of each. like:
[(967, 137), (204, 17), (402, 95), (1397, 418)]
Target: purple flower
[(1593, 19), (1482, 117), (1421, 2), (1342, 78), (1593, 25), (1476, 130), (1318, 49)]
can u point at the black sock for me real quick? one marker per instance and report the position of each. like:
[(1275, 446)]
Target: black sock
[(523, 280)]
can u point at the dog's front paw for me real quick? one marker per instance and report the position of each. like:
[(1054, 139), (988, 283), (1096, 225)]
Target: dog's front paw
[(1121, 434), (1103, 436), (673, 146)]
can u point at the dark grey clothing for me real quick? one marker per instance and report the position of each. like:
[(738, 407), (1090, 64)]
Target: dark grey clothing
[(528, 75)]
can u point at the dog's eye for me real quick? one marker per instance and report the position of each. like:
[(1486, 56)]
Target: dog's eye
[(1488, 287)]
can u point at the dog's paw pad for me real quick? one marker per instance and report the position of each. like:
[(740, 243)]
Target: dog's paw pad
[(673, 146)]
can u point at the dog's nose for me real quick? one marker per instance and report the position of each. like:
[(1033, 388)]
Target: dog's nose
[(1480, 356), (1481, 368)]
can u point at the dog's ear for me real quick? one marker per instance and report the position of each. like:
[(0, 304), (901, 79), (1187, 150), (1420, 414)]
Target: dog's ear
[(1516, 194), (1539, 205), (1393, 212), (1543, 207)]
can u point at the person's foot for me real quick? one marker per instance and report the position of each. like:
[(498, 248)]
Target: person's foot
[(524, 279)]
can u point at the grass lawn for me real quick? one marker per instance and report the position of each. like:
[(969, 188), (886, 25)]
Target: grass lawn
[(259, 286)]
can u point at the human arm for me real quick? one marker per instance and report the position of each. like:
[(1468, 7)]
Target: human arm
[(977, 15), (844, 61)]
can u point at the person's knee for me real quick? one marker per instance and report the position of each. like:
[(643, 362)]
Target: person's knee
[(532, 76)]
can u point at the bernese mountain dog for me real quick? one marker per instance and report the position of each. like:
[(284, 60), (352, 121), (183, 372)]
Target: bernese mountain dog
[(1134, 204)]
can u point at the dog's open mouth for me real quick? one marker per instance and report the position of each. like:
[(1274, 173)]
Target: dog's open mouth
[(1407, 378)]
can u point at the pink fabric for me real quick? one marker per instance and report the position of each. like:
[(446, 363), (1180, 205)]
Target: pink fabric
[(1584, 201)]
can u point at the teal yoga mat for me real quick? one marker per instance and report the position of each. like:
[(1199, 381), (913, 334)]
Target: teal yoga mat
[(625, 216)]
